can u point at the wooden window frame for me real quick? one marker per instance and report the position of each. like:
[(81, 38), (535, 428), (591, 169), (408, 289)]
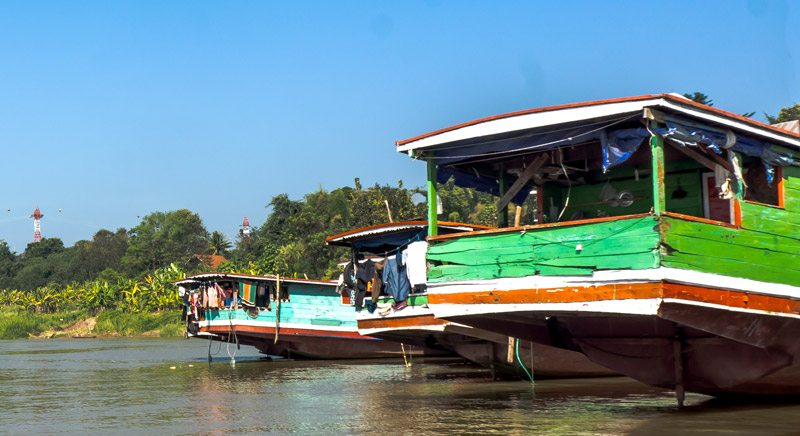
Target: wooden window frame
[(781, 194)]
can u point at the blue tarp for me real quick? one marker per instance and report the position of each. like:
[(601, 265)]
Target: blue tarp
[(619, 145)]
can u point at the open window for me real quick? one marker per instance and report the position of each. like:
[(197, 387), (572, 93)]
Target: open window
[(758, 188), (283, 295)]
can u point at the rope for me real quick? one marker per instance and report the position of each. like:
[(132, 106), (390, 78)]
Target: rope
[(522, 365), (569, 184), (233, 333)]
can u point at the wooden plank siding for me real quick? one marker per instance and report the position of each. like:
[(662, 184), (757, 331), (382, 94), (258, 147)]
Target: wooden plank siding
[(765, 248), (619, 244), (310, 304)]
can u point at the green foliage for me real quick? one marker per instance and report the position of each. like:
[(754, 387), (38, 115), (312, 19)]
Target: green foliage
[(16, 322), (789, 113), (219, 243), (103, 252), (162, 238), (699, 97), (130, 324)]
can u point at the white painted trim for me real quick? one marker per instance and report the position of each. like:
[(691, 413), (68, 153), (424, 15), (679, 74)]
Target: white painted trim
[(716, 118), (528, 121), (407, 312), (429, 328), (395, 229), (672, 275), (648, 307), (271, 324), (558, 116)]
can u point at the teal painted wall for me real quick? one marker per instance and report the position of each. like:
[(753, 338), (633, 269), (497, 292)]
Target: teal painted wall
[(310, 304)]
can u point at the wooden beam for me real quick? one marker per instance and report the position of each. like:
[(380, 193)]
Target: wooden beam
[(703, 157), (433, 216), (526, 175), (696, 156), (657, 149)]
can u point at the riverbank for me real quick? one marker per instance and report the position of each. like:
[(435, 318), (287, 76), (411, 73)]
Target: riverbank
[(17, 323)]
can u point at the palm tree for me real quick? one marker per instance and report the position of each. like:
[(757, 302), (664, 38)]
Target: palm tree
[(219, 243)]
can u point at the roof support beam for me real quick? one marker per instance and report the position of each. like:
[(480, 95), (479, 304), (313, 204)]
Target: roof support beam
[(657, 149), (433, 217), (523, 179)]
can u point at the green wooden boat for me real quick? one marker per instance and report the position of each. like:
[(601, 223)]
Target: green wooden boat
[(666, 245), (416, 324)]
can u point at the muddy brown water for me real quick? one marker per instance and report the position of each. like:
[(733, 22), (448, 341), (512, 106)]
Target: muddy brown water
[(167, 387)]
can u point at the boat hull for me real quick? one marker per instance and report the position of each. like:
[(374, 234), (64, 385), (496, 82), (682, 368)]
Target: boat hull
[(309, 342), (418, 326), (677, 336)]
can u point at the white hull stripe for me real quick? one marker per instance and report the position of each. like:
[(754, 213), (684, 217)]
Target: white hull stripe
[(600, 278)]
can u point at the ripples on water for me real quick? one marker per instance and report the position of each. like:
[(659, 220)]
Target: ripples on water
[(127, 387)]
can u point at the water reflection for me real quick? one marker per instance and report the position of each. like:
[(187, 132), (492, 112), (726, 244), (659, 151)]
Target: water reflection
[(168, 387)]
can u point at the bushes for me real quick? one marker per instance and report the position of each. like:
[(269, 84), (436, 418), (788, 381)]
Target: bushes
[(15, 322), (130, 324), (155, 293)]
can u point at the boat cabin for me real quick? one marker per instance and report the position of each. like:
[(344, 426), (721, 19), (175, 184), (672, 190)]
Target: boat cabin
[(665, 246)]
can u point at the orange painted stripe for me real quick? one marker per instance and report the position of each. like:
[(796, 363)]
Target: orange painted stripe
[(737, 213), (627, 291), (412, 321), (704, 220), (538, 226), (404, 223), (571, 294)]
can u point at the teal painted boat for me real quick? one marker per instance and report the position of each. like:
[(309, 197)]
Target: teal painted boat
[(665, 248), (293, 318)]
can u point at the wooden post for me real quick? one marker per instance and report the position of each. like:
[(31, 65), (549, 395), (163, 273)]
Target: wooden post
[(517, 213), (278, 310), (510, 356), (433, 217), (677, 352), (388, 211), (502, 214), (657, 148)]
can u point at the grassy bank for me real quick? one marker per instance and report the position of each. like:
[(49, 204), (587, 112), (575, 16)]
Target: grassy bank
[(116, 322), (17, 323)]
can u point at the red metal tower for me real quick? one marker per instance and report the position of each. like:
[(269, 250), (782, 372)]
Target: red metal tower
[(245, 229), (37, 224)]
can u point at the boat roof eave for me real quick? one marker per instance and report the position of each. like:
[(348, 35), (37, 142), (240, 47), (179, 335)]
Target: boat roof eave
[(603, 109), (201, 277), (346, 238)]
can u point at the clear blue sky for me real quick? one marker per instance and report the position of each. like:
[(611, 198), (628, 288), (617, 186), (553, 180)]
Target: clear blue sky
[(110, 109)]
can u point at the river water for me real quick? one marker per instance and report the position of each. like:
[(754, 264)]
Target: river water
[(168, 387)]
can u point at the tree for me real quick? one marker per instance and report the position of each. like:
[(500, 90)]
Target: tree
[(7, 265), (219, 243), (105, 250), (43, 248), (699, 97), (789, 113), (163, 238)]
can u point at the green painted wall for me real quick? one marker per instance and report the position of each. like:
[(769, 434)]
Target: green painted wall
[(683, 174), (626, 243), (766, 248)]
